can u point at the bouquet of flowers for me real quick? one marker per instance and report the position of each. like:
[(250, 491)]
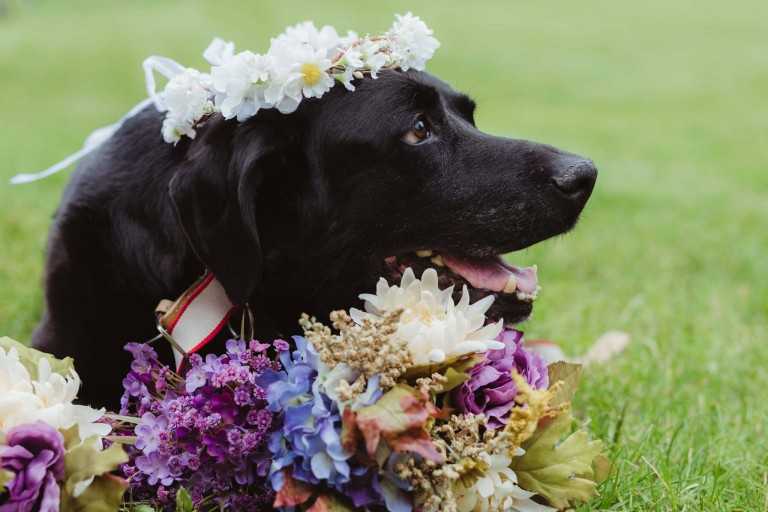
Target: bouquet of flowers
[(415, 404), (54, 454)]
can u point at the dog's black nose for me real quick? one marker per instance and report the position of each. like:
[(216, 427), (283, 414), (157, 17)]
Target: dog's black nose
[(576, 179)]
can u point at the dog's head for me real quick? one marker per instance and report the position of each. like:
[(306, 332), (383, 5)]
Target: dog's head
[(302, 212)]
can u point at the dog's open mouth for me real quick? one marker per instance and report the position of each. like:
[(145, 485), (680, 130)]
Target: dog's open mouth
[(514, 288)]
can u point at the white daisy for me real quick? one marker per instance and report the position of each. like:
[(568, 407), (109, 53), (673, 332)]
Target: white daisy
[(313, 74), (302, 69), (434, 328)]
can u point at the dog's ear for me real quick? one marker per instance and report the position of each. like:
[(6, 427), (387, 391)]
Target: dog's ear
[(214, 195)]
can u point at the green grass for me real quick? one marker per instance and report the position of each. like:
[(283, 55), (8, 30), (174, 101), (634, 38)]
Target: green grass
[(669, 98)]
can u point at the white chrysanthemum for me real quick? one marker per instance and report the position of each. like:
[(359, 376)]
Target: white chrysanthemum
[(186, 98), (497, 490), (47, 398), (239, 84), (434, 327), (412, 42)]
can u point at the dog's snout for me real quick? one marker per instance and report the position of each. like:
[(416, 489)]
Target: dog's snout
[(576, 179)]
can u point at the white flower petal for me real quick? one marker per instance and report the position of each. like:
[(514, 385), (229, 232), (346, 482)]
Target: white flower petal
[(429, 279), (219, 51), (408, 278), (436, 356), (484, 487)]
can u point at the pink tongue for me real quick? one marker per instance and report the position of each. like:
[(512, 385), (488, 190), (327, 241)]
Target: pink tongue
[(492, 273)]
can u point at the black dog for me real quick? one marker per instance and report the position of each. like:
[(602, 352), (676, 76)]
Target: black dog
[(296, 213)]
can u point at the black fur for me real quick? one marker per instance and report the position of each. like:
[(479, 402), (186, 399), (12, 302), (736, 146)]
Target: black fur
[(292, 212)]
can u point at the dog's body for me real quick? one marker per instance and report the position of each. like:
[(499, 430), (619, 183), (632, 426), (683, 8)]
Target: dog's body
[(292, 213)]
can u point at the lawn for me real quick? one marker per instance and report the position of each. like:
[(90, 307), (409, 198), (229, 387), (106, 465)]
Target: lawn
[(669, 98)]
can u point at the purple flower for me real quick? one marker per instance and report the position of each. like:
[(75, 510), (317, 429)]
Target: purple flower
[(281, 345), (141, 352), (195, 379), (490, 389), (34, 454), (156, 467), (133, 386), (149, 432), (206, 431)]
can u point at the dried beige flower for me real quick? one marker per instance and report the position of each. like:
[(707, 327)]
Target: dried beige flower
[(369, 348)]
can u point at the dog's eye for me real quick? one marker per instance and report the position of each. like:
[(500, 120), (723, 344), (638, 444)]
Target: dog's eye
[(420, 131)]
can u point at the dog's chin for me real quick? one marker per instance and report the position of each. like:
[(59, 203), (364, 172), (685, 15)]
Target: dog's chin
[(514, 288)]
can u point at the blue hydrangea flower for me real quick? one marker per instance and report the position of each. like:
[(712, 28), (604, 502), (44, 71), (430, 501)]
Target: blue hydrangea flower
[(309, 441)]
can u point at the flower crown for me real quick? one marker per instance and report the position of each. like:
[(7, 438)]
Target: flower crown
[(302, 62)]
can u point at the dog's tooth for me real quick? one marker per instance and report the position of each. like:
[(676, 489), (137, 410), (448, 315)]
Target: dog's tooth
[(511, 285), (438, 260), (424, 254)]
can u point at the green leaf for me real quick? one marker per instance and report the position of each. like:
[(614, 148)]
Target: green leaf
[(184, 501), (399, 417), (461, 364), (559, 465), (454, 379), (105, 494), (567, 373), (29, 358), (86, 460), (71, 437)]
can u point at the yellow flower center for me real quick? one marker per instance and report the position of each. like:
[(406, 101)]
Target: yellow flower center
[(422, 313), (311, 73)]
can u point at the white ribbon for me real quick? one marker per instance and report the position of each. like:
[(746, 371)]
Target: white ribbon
[(169, 68), (163, 65), (203, 312)]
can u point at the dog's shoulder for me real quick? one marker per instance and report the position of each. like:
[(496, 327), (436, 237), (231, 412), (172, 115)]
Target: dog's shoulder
[(117, 206)]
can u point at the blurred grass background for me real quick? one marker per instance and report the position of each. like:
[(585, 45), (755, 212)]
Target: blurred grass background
[(669, 98)]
